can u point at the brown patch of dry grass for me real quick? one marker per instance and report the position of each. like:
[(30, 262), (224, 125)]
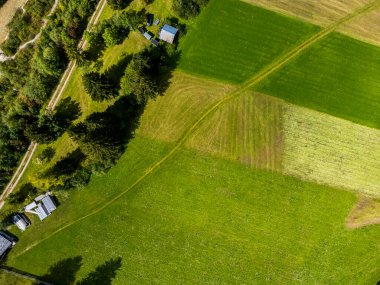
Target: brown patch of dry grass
[(326, 12), (366, 212), (6, 14), (365, 28)]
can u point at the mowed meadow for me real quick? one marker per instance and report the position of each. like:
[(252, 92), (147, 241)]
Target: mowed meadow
[(214, 221), (250, 190)]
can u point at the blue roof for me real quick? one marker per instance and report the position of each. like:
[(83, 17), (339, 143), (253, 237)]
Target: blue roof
[(170, 29)]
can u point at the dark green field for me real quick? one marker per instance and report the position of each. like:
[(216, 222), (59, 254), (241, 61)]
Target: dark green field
[(214, 222), (233, 40), (339, 76)]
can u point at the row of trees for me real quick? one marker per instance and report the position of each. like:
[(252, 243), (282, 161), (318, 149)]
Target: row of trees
[(187, 9), (27, 82)]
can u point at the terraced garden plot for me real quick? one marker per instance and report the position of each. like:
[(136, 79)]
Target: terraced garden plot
[(338, 76), (244, 219), (327, 150), (232, 40)]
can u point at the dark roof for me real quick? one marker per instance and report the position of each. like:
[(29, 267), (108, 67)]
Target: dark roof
[(170, 29), (5, 243), (154, 42), (49, 204), (141, 30)]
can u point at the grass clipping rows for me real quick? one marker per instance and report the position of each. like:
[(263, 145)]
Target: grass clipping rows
[(332, 151)]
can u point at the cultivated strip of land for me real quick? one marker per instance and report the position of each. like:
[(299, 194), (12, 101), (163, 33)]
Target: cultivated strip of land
[(277, 64), (51, 106)]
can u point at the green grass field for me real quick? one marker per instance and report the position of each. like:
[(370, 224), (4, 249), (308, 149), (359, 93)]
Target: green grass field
[(213, 222), (207, 214), (338, 76), (233, 40)]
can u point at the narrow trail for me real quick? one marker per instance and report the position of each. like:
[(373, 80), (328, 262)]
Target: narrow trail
[(24, 45), (276, 65), (51, 106)]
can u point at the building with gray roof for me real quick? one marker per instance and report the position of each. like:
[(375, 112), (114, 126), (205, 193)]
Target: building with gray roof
[(42, 206), (6, 243), (21, 221)]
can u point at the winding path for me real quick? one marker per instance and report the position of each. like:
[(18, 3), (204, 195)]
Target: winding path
[(276, 65), (24, 45), (51, 106)]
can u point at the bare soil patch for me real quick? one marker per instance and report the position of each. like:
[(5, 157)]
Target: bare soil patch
[(366, 212), (6, 14)]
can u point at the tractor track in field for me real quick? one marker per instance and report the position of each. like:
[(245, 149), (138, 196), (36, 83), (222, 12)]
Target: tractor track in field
[(276, 65)]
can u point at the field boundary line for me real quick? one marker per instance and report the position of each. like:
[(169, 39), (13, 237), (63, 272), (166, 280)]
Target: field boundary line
[(51, 106), (277, 64)]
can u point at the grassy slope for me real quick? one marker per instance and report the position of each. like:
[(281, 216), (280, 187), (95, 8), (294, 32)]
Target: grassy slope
[(233, 40), (214, 222), (338, 76)]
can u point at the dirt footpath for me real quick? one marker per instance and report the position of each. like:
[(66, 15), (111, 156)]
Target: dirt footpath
[(6, 14)]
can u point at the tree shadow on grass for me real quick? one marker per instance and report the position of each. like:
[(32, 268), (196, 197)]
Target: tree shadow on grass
[(67, 111), (64, 271), (103, 274)]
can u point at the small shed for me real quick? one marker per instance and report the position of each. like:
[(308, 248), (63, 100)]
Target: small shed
[(141, 30), (154, 42), (6, 242), (168, 34), (21, 221), (147, 36)]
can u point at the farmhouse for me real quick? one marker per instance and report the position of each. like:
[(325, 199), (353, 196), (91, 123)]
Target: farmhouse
[(21, 221), (42, 206), (6, 242), (168, 34)]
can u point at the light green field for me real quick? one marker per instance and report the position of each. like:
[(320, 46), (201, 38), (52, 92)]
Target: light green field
[(205, 215), (233, 40), (164, 227), (338, 76), (332, 151)]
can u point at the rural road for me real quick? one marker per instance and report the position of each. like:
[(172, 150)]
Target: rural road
[(255, 79), (51, 106)]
